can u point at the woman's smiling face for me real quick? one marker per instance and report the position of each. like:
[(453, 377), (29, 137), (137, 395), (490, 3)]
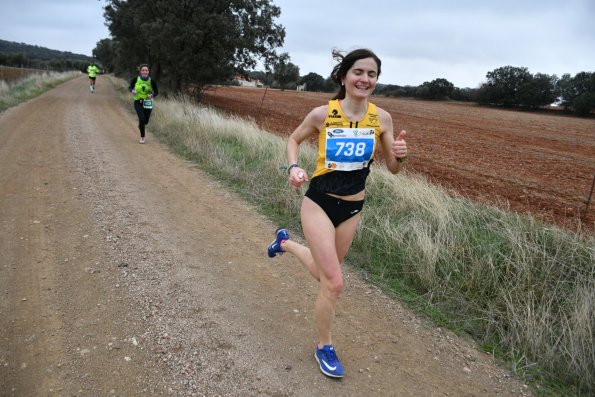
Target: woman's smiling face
[(361, 78)]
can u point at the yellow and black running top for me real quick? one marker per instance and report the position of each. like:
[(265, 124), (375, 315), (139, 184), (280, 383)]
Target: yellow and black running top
[(345, 150)]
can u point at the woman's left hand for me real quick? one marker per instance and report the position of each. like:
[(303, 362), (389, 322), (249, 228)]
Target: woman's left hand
[(399, 148)]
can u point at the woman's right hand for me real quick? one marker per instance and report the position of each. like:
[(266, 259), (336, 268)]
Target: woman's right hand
[(297, 177)]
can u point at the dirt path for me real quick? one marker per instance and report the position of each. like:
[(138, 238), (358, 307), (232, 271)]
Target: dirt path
[(128, 272)]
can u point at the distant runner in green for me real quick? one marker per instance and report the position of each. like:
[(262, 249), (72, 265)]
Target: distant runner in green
[(92, 71)]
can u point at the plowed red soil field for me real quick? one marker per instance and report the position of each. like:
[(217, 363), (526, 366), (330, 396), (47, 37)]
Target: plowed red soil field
[(529, 162)]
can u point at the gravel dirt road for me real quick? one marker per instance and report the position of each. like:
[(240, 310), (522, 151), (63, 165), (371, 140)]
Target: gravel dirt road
[(125, 271)]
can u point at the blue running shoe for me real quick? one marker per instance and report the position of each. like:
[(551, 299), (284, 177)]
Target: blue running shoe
[(275, 247), (329, 362)]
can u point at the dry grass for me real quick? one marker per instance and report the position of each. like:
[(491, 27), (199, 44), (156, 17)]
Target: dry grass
[(517, 285), (17, 91)]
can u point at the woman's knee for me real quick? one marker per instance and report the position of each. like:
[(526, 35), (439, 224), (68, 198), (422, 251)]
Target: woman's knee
[(334, 286)]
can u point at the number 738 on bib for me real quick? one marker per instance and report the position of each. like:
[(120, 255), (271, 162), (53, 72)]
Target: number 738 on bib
[(349, 149)]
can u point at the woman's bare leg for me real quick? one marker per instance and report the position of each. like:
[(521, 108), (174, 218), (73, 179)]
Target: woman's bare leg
[(303, 254), (328, 247)]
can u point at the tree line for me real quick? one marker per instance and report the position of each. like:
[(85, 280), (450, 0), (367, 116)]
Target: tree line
[(517, 87), (506, 86), (23, 55)]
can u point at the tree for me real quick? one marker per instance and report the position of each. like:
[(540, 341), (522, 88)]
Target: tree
[(285, 72), (584, 87), (330, 85), (388, 90), (18, 60), (584, 82), (539, 90), (584, 104), (194, 42), (577, 92), (422, 91), (463, 94), (565, 90), (436, 89), (104, 52), (408, 91), (503, 85), (313, 81)]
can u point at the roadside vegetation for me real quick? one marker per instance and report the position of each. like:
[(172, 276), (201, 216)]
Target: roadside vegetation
[(523, 289), (17, 91)]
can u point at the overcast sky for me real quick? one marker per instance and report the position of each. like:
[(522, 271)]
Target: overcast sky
[(417, 41)]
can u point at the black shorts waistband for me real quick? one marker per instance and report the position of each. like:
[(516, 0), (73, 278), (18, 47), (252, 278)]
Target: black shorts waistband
[(337, 210)]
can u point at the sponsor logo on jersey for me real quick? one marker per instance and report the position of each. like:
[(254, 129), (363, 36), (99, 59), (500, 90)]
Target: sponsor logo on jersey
[(373, 119), (336, 132), (334, 114), (362, 132)]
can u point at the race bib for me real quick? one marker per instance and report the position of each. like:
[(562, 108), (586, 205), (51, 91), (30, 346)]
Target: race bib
[(148, 104), (349, 149)]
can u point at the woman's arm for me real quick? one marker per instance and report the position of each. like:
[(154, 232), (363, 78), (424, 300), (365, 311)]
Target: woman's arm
[(392, 149), (132, 84), (309, 126), (155, 88)]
